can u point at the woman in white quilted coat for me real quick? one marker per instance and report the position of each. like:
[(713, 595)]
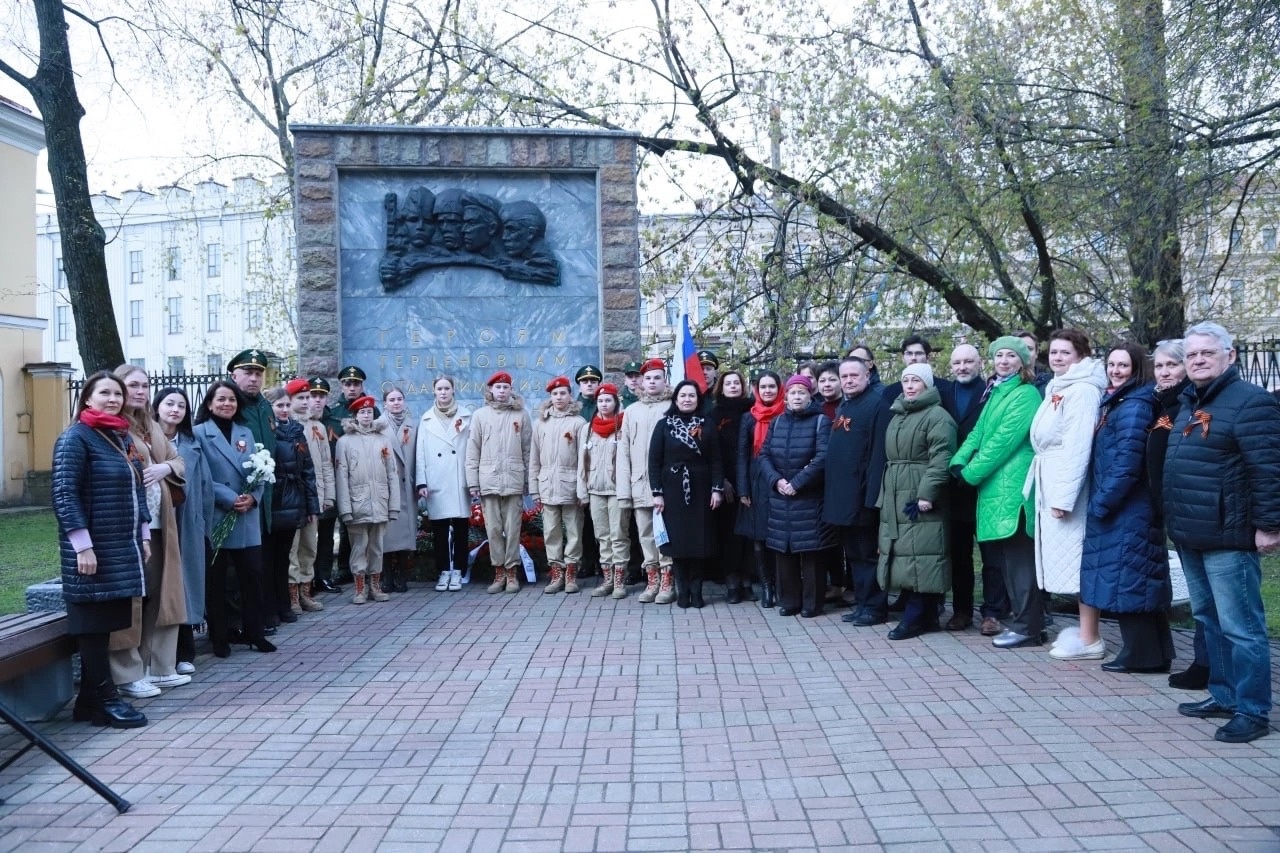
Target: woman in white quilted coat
[(441, 472), (1062, 438)]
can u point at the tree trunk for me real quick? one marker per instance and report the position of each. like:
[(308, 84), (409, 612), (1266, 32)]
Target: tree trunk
[(1150, 194), (83, 254)]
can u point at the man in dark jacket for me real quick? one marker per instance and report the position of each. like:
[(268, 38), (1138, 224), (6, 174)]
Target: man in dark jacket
[(855, 464), (1222, 509), (916, 349), (962, 399)]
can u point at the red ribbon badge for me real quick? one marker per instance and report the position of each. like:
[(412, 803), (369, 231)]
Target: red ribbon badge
[(1200, 416)]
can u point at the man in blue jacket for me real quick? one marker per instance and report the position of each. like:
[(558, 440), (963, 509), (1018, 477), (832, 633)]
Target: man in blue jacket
[(1222, 509)]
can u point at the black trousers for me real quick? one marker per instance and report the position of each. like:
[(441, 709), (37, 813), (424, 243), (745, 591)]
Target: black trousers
[(247, 565), (800, 583), (922, 609), (1017, 555), (449, 555), (1146, 641), (995, 599), (275, 590), (95, 664), (324, 547), (861, 551)]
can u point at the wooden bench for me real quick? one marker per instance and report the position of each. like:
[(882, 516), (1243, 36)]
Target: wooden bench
[(29, 644)]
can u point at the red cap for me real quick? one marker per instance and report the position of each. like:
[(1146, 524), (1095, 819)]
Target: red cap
[(500, 376), (558, 382), (608, 388), (653, 364), (294, 387), (365, 402)]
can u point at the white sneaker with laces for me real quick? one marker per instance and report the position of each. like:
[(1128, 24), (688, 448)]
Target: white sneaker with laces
[(443, 583), (455, 580), (141, 689), (175, 680), (185, 668)]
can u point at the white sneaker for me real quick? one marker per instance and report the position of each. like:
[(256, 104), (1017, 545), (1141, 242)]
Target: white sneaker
[(142, 689), (1076, 650), (443, 583), (175, 680), (455, 580), (185, 668)]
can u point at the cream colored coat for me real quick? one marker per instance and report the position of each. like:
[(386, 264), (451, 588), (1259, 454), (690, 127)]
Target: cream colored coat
[(364, 471), (402, 533), (638, 423), (498, 447), (322, 460), (553, 455), (1062, 438), (598, 462), (442, 462)]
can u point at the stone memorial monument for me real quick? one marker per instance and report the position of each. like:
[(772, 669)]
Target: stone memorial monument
[(464, 251)]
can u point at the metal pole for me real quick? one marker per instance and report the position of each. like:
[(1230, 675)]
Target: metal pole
[(74, 768)]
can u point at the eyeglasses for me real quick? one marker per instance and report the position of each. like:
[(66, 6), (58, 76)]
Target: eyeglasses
[(1204, 353)]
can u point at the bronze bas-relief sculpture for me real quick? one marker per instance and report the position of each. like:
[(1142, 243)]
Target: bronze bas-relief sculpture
[(457, 227)]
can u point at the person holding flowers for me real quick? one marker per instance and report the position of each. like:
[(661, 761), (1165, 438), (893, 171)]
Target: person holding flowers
[(368, 494), (241, 471)]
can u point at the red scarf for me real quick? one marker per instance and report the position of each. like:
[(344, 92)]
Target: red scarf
[(605, 427), (101, 420), (764, 413)]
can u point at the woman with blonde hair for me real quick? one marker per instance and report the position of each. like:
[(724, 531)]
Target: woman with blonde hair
[(441, 472)]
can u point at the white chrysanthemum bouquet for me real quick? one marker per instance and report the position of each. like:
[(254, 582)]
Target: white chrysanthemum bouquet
[(262, 469)]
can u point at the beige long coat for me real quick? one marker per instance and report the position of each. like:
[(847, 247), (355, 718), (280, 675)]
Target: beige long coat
[(638, 422), (498, 447), (553, 455), (322, 460)]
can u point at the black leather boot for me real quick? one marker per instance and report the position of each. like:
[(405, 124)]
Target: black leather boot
[(403, 571), (100, 705), (694, 576), (681, 571), (732, 589)]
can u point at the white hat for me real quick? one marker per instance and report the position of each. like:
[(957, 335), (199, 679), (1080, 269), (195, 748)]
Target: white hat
[(923, 372)]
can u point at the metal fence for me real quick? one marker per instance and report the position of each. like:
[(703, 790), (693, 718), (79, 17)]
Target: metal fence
[(1259, 362), (193, 383)]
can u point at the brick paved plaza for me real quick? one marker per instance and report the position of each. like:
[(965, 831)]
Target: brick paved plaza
[(466, 721)]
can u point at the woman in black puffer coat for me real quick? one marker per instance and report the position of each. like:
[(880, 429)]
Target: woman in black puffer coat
[(793, 462), (731, 405), (294, 502), (103, 539)]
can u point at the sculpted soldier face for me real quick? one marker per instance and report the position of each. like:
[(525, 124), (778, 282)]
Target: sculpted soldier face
[(518, 235), (479, 227)]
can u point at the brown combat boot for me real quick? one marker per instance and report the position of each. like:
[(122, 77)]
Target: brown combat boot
[(499, 580), (361, 595), (666, 592), (375, 588), (557, 580), (294, 604), (619, 582), (309, 604), (606, 581)]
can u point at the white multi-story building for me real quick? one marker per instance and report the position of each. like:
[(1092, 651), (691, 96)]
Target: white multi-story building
[(196, 275)]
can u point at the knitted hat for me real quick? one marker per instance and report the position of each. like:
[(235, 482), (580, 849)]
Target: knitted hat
[(1009, 342), (365, 402), (500, 376), (801, 380), (294, 387), (558, 382), (923, 372), (653, 364)]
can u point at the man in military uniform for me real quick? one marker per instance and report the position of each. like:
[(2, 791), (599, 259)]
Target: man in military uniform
[(248, 371), (588, 378), (319, 389), (710, 368), (631, 386), (352, 380)]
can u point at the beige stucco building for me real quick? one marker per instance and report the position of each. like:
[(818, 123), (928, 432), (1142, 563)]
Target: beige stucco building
[(33, 409)]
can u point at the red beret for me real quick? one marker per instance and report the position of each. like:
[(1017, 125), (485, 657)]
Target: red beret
[(558, 382), (365, 402), (653, 364), (500, 376), (608, 388), (294, 387)]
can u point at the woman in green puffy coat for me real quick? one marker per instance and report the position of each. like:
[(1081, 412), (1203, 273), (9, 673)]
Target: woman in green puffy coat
[(995, 459), (914, 516)]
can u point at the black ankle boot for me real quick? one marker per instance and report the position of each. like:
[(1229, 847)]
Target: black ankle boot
[(768, 595), (101, 705)]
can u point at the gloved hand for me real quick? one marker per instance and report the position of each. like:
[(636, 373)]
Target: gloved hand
[(912, 510), (955, 472)]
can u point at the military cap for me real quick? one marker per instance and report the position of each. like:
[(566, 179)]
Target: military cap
[(351, 372), (631, 367), (706, 356), (319, 383), (588, 371), (249, 359)]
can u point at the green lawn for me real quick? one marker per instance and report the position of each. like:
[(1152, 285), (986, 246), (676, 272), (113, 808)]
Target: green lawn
[(28, 554)]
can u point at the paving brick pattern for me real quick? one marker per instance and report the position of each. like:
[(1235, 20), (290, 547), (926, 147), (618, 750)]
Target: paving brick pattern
[(463, 721)]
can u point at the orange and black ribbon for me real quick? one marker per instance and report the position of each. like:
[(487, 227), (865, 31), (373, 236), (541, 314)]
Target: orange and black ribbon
[(1201, 417)]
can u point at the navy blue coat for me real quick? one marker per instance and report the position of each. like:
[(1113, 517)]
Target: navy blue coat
[(855, 459), (1222, 466), (1125, 568), (796, 450), (96, 488)]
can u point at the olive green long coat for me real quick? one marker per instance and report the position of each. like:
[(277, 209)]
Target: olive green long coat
[(919, 444)]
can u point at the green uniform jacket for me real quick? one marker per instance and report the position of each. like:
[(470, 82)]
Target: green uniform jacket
[(996, 456), (588, 407), (919, 444), (261, 421)]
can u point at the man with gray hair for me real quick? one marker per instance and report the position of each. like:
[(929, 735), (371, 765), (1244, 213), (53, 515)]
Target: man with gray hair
[(1222, 509)]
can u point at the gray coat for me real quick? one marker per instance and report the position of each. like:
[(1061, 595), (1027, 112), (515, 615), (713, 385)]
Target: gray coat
[(196, 517), (226, 468)]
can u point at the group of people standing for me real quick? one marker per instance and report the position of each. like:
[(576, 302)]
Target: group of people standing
[(825, 488)]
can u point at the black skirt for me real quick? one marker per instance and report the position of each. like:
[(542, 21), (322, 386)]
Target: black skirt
[(100, 617)]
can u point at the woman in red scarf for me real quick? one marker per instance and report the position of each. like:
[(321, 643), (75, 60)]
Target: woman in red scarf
[(753, 491), (104, 538), (598, 484)]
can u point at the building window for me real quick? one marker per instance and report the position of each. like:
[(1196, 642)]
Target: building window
[(1236, 286), (1234, 240), (135, 318), (135, 267), (139, 362), (62, 274), (174, 307), (253, 257), (213, 363), (672, 310), (704, 309), (1268, 239), (213, 313), (173, 263), (253, 310), (64, 322), (213, 260), (177, 364)]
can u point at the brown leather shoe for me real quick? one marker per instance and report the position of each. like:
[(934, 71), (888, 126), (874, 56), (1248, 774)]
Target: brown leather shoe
[(959, 622), (990, 626)]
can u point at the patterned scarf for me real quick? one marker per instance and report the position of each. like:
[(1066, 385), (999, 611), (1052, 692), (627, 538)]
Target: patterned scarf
[(686, 430)]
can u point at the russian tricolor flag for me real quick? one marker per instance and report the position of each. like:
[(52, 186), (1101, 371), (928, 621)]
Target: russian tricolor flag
[(685, 365)]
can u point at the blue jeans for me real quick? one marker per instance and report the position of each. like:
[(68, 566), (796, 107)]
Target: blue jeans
[(1227, 600)]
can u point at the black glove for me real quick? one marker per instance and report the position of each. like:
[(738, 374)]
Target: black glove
[(912, 510), (955, 472)]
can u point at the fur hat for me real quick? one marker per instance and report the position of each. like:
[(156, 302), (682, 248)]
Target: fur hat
[(1009, 342), (923, 372)]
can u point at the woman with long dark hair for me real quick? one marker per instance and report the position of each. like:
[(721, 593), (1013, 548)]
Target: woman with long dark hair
[(753, 489), (731, 405), (228, 445), (104, 537)]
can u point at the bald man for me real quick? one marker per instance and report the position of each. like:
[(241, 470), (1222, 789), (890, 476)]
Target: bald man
[(962, 398)]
